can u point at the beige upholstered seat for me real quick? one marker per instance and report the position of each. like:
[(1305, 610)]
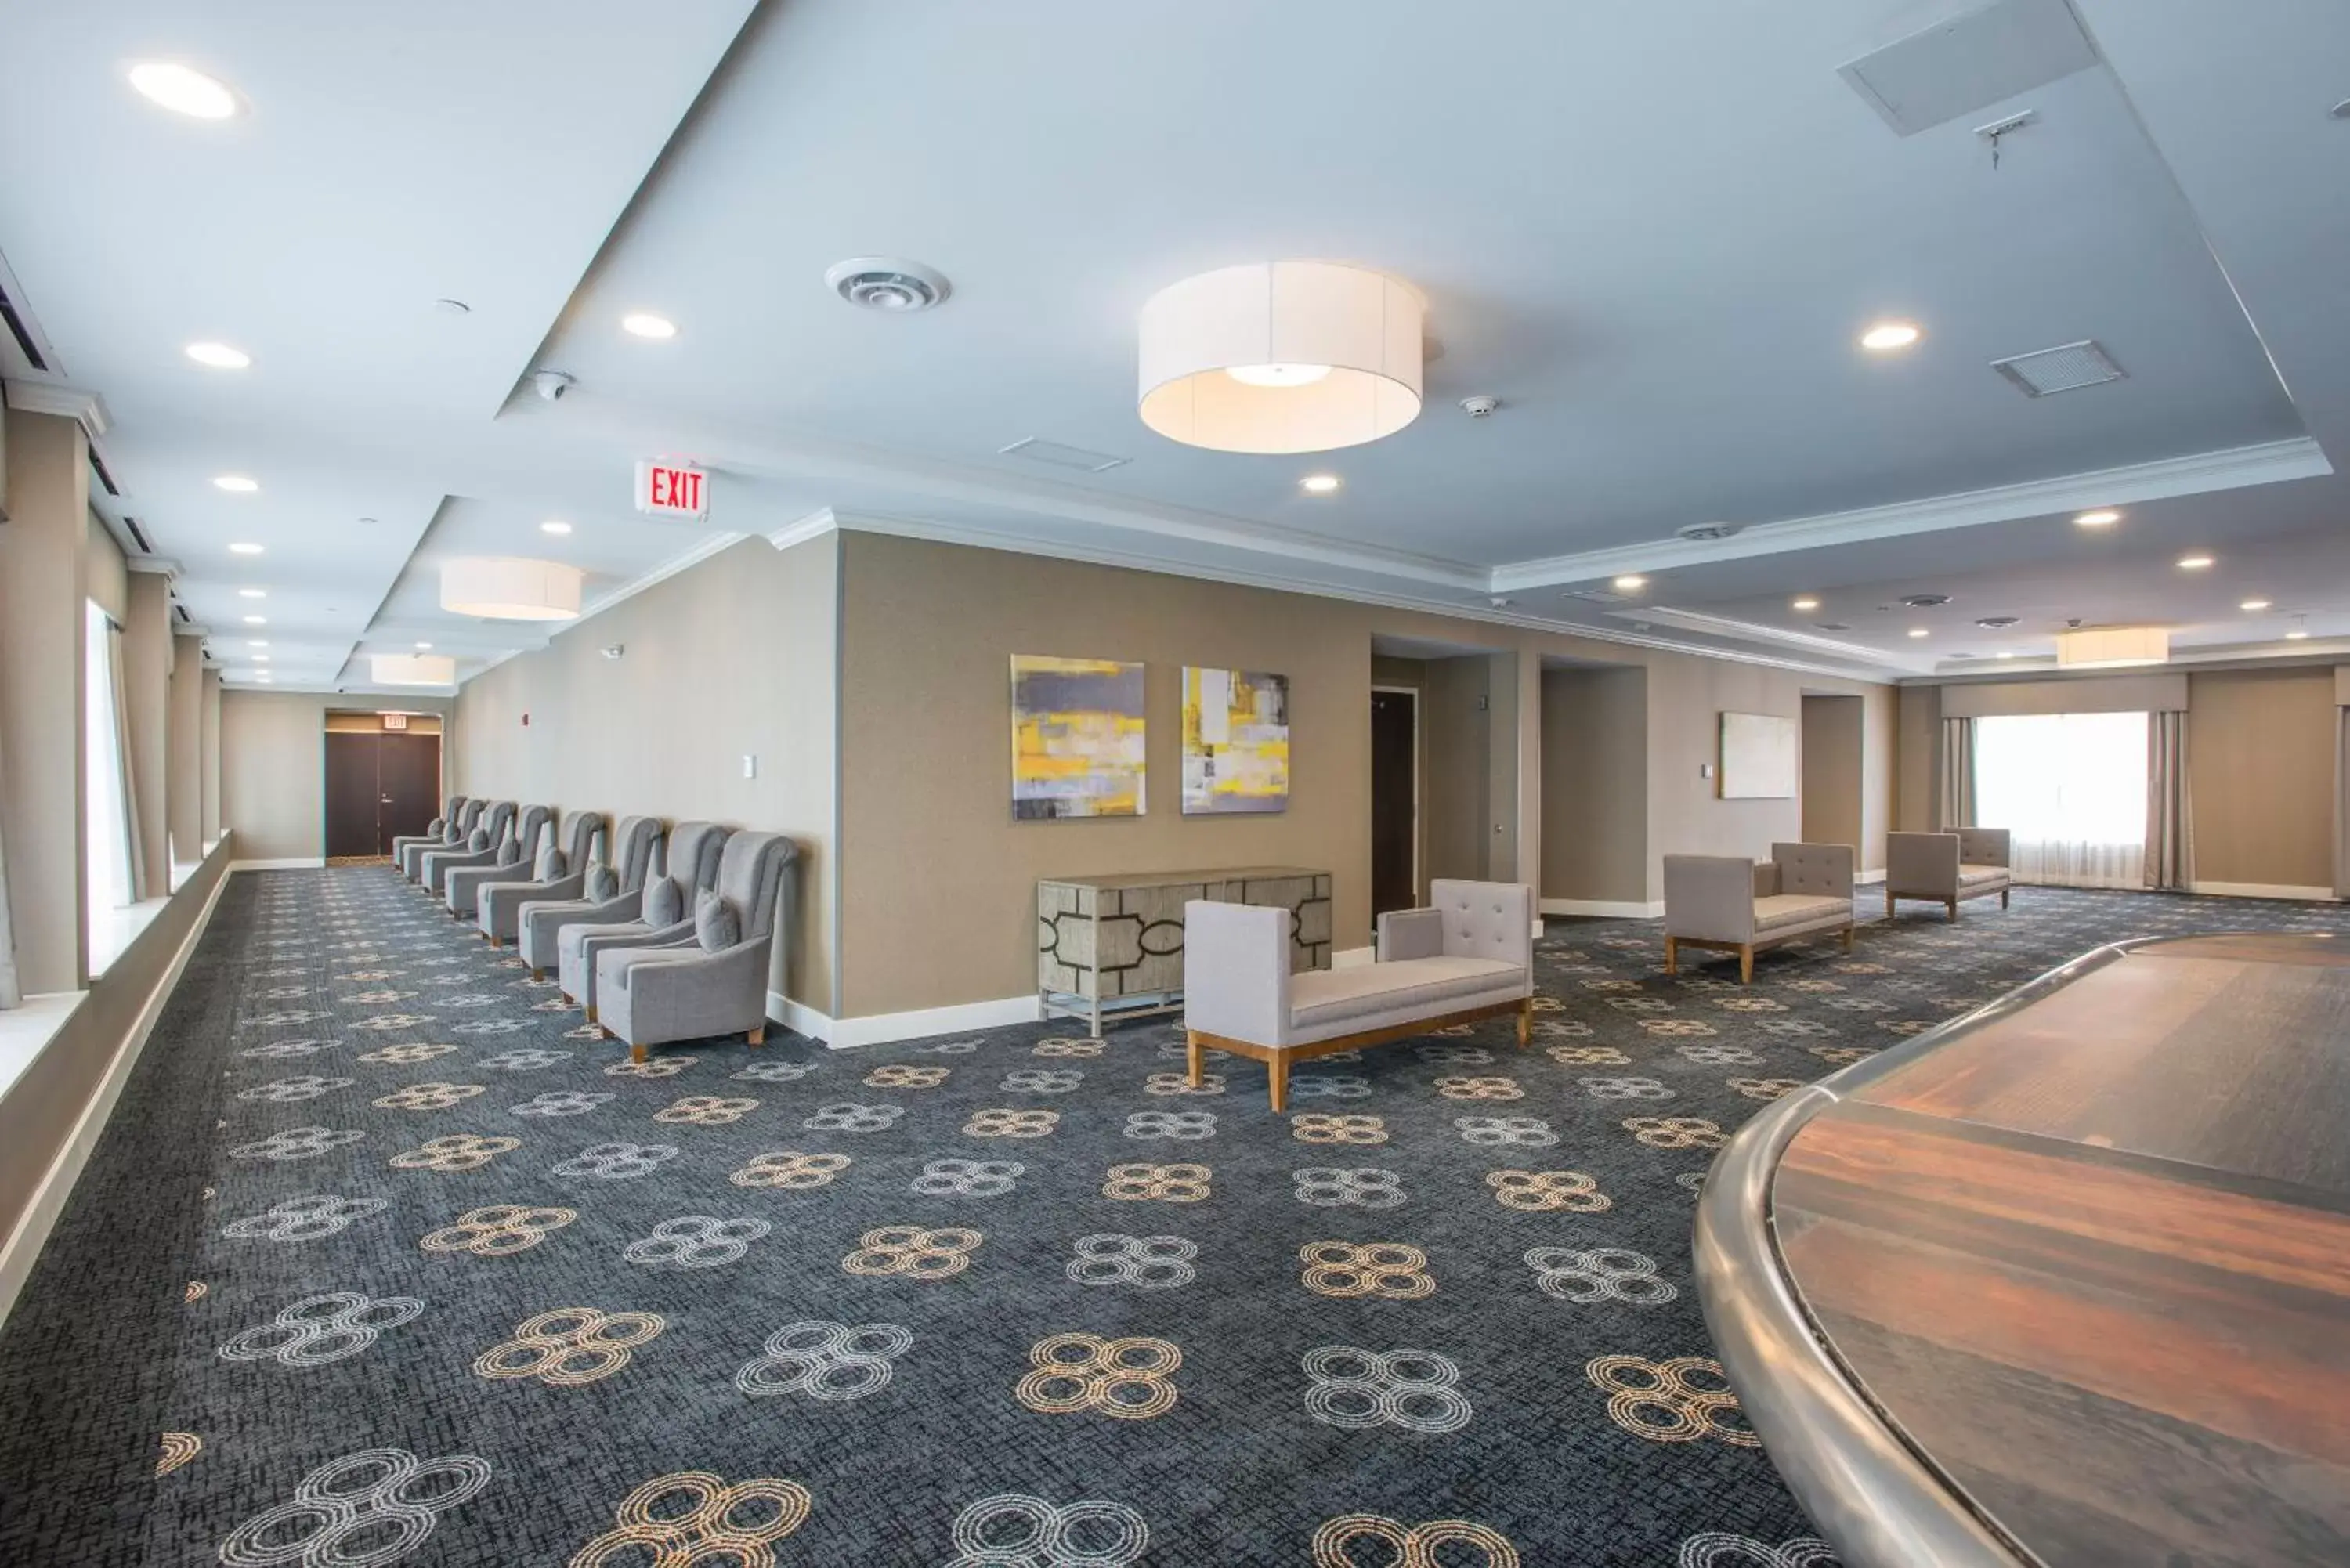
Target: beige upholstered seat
[(1321, 997), (1784, 909)]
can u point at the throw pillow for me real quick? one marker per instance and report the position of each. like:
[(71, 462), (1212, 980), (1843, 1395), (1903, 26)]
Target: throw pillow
[(510, 852), (550, 864), (603, 883), (664, 903), (479, 841), (714, 925)]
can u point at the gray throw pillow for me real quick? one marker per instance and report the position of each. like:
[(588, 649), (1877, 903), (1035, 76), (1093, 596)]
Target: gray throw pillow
[(550, 864), (603, 883), (510, 852), (479, 841), (664, 903), (714, 925)]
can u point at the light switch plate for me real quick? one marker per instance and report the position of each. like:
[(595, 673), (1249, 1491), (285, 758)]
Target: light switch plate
[(750, 765), (1705, 770)]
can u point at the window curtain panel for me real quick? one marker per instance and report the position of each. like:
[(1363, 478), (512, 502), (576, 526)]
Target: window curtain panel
[(2169, 832), (135, 872), (1958, 798), (2341, 808)]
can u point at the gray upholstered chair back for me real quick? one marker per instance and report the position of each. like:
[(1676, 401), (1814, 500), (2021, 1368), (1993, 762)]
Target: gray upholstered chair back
[(455, 804), (1485, 919), (534, 819), (469, 817), (1983, 846), (584, 826), (630, 852), (1813, 870), (499, 822), (692, 856), (751, 878)]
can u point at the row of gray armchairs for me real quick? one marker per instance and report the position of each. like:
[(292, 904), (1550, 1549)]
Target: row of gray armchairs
[(665, 936)]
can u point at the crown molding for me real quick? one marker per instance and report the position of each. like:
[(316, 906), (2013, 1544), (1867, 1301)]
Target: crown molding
[(699, 552), (2231, 469), (815, 525), (1750, 631), (161, 566), (67, 402)]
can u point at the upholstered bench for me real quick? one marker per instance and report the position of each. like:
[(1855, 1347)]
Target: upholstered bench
[(1469, 956), (1736, 904), (1948, 867)]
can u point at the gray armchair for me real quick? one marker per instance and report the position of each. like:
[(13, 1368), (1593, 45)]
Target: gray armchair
[(651, 996), (541, 918), (499, 904), (691, 859), (461, 885), (440, 830), (1969, 863), (455, 828), (482, 847), (1734, 905)]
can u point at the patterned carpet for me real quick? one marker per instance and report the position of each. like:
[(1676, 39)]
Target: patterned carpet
[(385, 1260)]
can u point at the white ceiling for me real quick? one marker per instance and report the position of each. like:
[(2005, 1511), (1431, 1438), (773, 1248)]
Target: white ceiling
[(1654, 232)]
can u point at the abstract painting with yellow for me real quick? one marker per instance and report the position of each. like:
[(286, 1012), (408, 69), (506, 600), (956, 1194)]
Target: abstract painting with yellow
[(1235, 742), (1076, 738)]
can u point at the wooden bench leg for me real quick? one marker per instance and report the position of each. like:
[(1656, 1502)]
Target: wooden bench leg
[(1954, 909), (1525, 1024), (1194, 1057), (757, 1036), (1746, 963), (636, 1053), (1277, 1075), (1672, 956), (1888, 903), (1848, 938), (536, 975)]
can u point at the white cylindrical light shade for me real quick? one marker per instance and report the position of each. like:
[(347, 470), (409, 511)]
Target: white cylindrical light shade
[(2105, 647), (1282, 322), (506, 587), (413, 669)]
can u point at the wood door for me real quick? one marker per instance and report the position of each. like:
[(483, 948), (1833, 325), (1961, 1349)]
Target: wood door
[(408, 779), (1395, 801), (351, 793)]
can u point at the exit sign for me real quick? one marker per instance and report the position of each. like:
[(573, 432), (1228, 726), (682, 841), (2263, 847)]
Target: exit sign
[(672, 490), (394, 721)]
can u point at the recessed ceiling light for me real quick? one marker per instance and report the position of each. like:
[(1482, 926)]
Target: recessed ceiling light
[(256, 620), (2297, 634), (1277, 375), (1918, 631), (2003, 654), (2253, 604), (183, 90), (1318, 483), (1806, 603), (219, 356), (553, 526), (1630, 583), (423, 647), (645, 323), (1890, 334), (2103, 517), (2193, 563), (236, 483), (256, 642), (252, 593), (260, 659), (244, 549)]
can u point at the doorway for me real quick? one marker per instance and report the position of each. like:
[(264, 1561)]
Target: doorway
[(1395, 799), (381, 782)]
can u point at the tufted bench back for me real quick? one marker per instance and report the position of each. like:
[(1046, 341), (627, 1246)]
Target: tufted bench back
[(1485, 919), (1813, 870)]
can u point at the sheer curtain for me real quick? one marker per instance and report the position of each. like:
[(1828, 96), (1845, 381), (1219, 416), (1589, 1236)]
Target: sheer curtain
[(1958, 797), (2071, 789), (105, 802)]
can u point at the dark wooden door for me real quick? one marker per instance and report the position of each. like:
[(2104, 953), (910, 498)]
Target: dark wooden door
[(1395, 805), (407, 778), (351, 793)]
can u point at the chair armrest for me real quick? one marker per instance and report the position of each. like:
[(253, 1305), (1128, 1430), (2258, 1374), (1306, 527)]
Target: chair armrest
[(1236, 971), (1710, 897), (1925, 864), (1822, 870), (1410, 934)]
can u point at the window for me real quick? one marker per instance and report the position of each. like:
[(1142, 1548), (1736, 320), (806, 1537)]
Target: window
[(2071, 788), (105, 806)]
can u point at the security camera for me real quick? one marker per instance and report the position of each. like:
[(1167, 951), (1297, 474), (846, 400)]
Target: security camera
[(613, 650), (1480, 407), (553, 384)]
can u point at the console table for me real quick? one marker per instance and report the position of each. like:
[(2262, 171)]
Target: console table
[(1115, 944)]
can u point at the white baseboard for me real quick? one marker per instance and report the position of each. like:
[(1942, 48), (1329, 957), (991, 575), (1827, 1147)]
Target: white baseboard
[(2261, 890), (24, 1244), (881, 1028), (297, 863), (1353, 958), (1604, 908), (1869, 879)]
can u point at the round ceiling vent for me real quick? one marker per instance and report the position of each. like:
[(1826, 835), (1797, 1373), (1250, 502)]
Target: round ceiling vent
[(1701, 532), (1925, 601), (1998, 622), (879, 283)]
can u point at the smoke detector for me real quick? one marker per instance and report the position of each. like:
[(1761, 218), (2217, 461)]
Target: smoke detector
[(882, 283), (1698, 533), (1480, 407)]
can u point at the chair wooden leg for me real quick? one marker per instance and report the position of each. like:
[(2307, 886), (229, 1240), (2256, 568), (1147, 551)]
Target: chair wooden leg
[(604, 1034), (636, 1053), (1672, 956), (1525, 1022), (591, 1014), (757, 1036), (538, 975), (2002, 898), (1194, 1058), (1848, 938), (1954, 909), (1746, 963), (493, 941), (1888, 903), (1277, 1075)]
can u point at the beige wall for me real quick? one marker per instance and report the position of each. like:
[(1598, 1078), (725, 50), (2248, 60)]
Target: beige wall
[(273, 751), (208, 754), (184, 804), (734, 657), (2260, 748), (146, 685), (1917, 755), (1457, 783), (1879, 757), (1832, 771), (105, 582), (1595, 735), (1687, 698)]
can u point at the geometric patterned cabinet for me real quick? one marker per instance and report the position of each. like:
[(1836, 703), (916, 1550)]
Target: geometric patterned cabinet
[(1115, 944)]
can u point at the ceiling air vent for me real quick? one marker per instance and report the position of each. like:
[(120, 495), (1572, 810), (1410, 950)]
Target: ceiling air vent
[(1598, 597), (1699, 532), (2063, 369), (1925, 601), (1985, 55), (1998, 622), (1035, 448), (879, 283), (1833, 625)]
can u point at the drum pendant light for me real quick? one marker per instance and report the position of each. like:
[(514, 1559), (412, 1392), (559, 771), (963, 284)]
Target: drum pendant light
[(1281, 357), (507, 587)]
